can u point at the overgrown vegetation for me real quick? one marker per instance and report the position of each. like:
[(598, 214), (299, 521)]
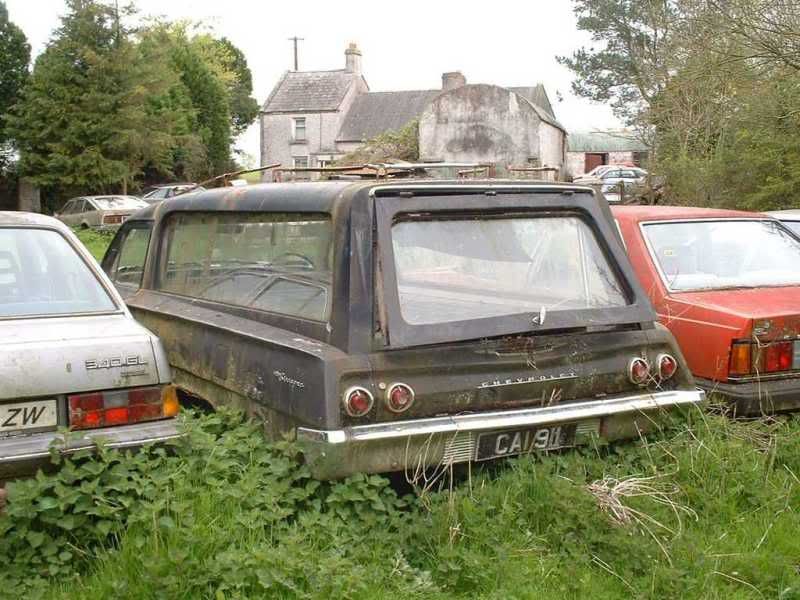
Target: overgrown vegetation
[(706, 508), (96, 242), (392, 145), (713, 86)]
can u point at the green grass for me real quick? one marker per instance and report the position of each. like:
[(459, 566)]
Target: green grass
[(229, 516), (95, 241)]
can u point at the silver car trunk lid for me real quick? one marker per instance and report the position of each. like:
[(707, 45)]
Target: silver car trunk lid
[(52, 356)]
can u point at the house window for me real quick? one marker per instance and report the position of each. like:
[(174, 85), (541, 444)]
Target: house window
[(300, 162), (299, 129), (322, 163)]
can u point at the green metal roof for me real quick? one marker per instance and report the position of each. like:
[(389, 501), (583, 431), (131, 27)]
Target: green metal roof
[(604, 141)]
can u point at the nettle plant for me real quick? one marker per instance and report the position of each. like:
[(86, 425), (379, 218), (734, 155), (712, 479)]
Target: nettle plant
[(56, 524)]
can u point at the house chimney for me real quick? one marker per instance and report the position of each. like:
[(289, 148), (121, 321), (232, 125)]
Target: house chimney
[(352, 59), (453, 80)]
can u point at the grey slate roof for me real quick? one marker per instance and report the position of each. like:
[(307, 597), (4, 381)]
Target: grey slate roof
[(604, 141), (309, 91), (373, 113), (376, 112), (537, 96)]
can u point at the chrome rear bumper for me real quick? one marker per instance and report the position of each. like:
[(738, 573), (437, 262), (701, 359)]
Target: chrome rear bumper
[(399, 445), (24, 454)]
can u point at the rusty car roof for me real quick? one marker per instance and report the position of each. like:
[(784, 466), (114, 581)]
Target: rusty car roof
[(669, 213), (322, 196)]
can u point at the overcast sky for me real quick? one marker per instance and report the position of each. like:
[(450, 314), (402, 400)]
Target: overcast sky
[(406, 45)]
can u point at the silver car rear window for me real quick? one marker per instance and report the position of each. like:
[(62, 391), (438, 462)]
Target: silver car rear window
[(41, 274)]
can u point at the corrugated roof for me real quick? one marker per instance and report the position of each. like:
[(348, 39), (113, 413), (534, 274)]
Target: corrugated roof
[(309, 91), (373, 113), (605, 141)]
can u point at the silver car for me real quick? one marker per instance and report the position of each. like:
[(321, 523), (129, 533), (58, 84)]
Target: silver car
[(99, 212), (71, 354)]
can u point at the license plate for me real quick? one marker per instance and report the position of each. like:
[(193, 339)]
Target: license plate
[(27, 416), (523, 441)]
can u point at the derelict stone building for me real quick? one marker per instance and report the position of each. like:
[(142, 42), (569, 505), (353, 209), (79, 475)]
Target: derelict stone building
[(312, 118)]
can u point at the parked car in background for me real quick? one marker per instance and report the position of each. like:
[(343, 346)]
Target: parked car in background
[(790, 218), (390, 326), (157, 193), (727, 284), (613, 174), (71, 354), (99, 212)]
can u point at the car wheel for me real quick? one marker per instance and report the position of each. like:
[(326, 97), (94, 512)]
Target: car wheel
[(84, 226)]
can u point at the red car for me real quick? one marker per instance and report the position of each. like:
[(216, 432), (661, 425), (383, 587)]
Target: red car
[(727, 285)]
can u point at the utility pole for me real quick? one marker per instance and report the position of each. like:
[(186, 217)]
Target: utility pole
[(295, 39)]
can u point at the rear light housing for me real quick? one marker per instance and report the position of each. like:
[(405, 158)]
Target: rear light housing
[(399, 397), (752, 358), (113, 219), (122, 407), (357, 401), (667, 366), (638, 371)]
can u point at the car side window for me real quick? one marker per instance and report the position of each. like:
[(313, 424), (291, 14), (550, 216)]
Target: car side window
[(88, 206), (77, 208), (67, 208), (129, 250), (273, 262)]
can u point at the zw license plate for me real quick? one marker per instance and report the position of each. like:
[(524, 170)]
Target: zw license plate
[(521, 441), (25, 416)]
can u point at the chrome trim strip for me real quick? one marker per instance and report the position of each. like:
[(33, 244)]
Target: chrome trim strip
[(454, 424), (31, 447)]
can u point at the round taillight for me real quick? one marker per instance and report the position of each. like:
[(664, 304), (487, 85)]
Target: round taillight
[(638, 371), (399, 397), (667, 366), (357, 401)]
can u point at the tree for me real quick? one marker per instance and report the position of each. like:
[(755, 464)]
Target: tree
[(231, 67), (85, 120), (15, 54), (633, 55)]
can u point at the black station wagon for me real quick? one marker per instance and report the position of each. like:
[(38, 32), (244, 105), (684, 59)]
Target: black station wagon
[(396, 325)]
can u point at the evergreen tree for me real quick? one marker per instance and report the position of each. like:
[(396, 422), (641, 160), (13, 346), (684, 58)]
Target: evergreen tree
[(85, 121), (15, 54)]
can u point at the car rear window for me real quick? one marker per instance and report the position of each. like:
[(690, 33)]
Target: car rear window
[(41, 274), (119, 203), (474, 268), (703, 255), (275, 262)]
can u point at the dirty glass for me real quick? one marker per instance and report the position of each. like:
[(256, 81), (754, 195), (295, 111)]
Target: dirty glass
[(41, 274), (129, 266), (118, 203), (703, 255), (275, 262), (462, 269)]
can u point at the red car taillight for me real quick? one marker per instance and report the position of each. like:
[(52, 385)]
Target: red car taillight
[(750, 358), (638, 371), (399, 397), (667, 366), (357, 401), (122, 407)]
